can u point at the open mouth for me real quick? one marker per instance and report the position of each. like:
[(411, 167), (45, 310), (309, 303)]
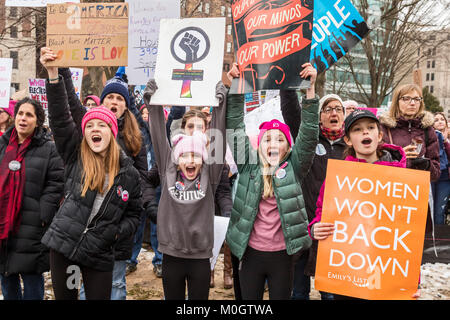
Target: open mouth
[(96, 139), (334, 121), (366, 141), (272, 154), (114, 109), (190, 170)]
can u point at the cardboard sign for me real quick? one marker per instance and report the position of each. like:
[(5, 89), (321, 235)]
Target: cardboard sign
[(189, 62), (5, 81), (337, 28), (88, 34), (34, 3), (379, 213), (272, 41), (143, 36)]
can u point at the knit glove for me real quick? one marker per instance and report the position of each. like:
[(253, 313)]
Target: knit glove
[(149, 90), (221, 91)]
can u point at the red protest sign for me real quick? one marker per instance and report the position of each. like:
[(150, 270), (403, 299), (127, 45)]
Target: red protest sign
[(272, 40)]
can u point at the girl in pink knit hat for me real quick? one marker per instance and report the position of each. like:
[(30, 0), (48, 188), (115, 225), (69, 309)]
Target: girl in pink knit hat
[(103, 200), (189, 179)]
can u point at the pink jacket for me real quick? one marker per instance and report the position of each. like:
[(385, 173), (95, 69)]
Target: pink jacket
[(394, 156)]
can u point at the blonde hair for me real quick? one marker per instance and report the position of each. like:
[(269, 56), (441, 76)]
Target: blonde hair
[(267, 172), (394, 110), (131, 133), (95, 166)]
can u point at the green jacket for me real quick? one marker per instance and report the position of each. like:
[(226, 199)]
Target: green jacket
[(287, 191)]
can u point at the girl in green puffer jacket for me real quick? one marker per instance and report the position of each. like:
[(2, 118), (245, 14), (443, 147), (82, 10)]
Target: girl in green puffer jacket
[(268, 222)]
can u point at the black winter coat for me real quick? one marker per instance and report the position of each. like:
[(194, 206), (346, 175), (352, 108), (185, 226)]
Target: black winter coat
[(91, 245), (311, 185), (124, 245), (43, 191)]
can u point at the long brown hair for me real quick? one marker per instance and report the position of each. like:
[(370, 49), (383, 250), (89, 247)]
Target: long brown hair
[(95, 166), (131, 133)]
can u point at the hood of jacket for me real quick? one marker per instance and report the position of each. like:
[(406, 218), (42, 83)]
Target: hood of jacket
[(393, 156), (425, 120)]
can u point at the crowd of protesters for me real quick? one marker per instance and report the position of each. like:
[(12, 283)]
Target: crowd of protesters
[(75, 196)]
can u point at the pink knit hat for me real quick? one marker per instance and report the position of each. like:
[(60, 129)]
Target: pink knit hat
[(10, 109), (195, 143), (274, 124), (92, 97), (101, 113)]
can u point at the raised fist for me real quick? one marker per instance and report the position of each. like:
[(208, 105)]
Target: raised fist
[(190, 45)]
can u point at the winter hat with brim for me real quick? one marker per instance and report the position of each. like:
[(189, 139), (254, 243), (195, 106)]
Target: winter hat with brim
[(92, 97), (357, 115), (101, 113), (274, 124), (195, 143), (116, 85), (330, 96)]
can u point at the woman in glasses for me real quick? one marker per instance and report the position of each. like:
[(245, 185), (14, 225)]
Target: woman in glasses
[(409, 125)]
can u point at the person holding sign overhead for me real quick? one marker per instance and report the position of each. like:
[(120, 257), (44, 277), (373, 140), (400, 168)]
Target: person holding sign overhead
[(115, 96), (364, 141), (268, 224), (189, 178)]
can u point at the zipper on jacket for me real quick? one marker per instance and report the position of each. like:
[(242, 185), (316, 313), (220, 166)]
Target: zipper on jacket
[(409, 126), (97, 217)]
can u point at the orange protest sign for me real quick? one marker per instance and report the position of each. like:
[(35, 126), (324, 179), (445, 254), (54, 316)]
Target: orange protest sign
[(88, 34), (379, 213)]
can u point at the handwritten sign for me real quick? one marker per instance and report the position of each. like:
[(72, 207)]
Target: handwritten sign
[(379, 213), (271, 42), (5, 81), (77, 79), (189, 62), (337, 28), (88, 34), (143, 36), (34, 3)]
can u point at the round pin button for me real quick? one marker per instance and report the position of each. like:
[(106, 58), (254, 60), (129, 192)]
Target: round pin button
[(14, 165)]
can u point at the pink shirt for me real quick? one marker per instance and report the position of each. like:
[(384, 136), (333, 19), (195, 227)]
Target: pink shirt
[(267, 234)]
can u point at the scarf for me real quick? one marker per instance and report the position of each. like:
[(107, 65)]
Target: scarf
[(332, 134), (11, 186)]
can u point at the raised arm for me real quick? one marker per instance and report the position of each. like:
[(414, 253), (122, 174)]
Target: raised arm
[(308, 136), (217, 135), (76, 107), (157, 126)]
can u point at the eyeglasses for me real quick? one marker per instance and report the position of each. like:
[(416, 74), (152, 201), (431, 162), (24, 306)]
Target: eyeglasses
[(89, 105), (408, 99), (338, 109)]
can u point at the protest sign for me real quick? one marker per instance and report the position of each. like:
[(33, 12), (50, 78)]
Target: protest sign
[(77, 79), (272, 41), (266, 112), (379, 213), (143, 36), (35, 3), (220, 231), (5, 81), (88, 34), (37, 91), (337, 28), (189, 62)]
